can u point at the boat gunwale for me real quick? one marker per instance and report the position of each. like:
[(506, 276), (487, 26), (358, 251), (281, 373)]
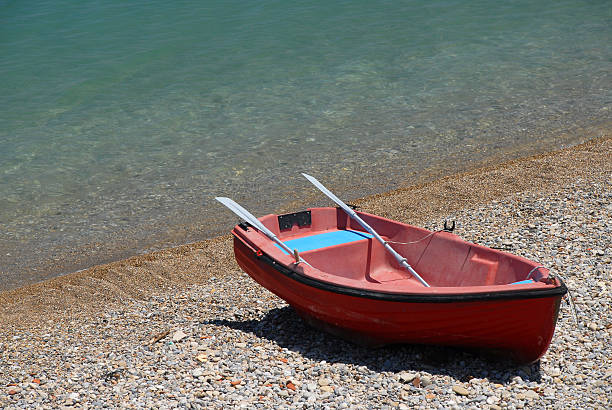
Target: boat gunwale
[(517, 294)]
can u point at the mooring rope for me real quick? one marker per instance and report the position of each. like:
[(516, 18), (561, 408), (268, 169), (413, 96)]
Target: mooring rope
[(534, 269), (418, 240), (570, 298)]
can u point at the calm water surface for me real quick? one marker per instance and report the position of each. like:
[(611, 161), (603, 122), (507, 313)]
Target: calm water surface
[(119, 121)]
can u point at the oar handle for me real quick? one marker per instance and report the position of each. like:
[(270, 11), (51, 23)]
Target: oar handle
[(400, 259)]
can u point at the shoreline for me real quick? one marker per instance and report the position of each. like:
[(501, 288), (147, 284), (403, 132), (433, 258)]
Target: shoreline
[(143, 275), (185, 327), (26, 262)]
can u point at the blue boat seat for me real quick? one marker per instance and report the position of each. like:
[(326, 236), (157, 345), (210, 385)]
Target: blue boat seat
[(523, 282), (325, 239)]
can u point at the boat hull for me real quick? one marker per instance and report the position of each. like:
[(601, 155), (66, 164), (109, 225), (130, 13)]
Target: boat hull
[(521, 324)]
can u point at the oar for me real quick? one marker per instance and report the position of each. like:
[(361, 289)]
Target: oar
[(402, 261), (247, 216)]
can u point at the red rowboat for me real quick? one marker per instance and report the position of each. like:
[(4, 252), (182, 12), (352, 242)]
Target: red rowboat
[(347, 284)]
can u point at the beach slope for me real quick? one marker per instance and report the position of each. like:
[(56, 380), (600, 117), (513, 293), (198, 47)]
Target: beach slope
[(185, 326)]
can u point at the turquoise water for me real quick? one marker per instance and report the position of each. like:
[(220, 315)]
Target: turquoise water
[(119, 121)]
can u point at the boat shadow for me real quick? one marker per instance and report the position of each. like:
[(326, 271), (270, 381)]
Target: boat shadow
[(286, 328)]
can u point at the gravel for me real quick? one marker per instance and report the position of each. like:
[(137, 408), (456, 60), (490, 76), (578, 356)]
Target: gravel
[(228, 343)]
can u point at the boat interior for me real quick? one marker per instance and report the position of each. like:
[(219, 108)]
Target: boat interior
[(333, 243)]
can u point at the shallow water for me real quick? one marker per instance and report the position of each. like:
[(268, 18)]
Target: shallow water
[(120, 122)]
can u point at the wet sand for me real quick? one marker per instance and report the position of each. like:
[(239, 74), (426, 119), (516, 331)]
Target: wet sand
[(93, 290)]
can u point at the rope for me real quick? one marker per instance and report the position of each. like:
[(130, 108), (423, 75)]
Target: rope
[(570, 298), (417, 241), (571, 301), (569, 294), (534, 269)]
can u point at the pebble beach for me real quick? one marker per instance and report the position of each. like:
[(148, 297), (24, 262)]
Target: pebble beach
[(186, 328)]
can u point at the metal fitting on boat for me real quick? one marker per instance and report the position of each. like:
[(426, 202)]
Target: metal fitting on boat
[(448, 228)]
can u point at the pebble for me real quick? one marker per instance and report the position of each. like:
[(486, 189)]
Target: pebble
[(178, 336), (460, 390), (235, 345), (407, 377), (528, 394)]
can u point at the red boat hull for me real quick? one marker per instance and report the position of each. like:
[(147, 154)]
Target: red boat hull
[(520, 323)]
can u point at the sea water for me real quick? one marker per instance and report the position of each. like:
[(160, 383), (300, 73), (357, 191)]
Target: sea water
[(120, 121)]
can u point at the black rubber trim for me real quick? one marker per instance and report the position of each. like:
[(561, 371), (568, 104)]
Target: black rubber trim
[(414, 298)]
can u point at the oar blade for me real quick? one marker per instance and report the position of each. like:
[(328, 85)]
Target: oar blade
[(244, 214), (247, 216), (329, 194)]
